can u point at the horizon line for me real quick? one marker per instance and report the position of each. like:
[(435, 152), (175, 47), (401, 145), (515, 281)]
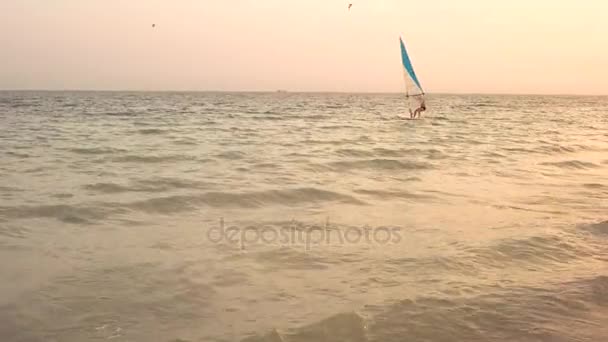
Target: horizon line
[(285, 91)]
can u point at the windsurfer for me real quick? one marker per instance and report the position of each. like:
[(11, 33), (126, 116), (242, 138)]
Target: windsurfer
[(418, 110)]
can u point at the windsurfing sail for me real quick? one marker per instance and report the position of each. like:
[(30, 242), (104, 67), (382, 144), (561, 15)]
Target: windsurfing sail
[(413, 89)]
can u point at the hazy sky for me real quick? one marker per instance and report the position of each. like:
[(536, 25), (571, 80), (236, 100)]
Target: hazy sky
[(514, 46)]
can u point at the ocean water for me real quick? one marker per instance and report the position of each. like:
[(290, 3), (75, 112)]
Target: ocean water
[(302, 217)]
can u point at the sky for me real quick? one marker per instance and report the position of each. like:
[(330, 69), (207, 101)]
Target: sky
[(456, 46)]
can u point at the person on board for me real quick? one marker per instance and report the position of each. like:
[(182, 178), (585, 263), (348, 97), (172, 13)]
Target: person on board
[(418, 110)]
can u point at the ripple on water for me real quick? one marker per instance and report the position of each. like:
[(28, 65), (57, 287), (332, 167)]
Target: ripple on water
[(130, 190), (96, 150), (153, 131), (378, 164), (341, 327), (181, 203), (74, 214), (155, 184), (525, 314), (572, 165), (600, 229), (146, 159), (395, 194)]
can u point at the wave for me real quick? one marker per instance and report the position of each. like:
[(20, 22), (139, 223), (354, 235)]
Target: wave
[(348, 326), (62, 212), (151, 159), (231, 155), (598, 228), (96, 150), (15, 232), (378, 164), (18, 155), (391, 153), (493, 155), (572, 165), (569, 311), (126, 288), (231, 278), (442, 118), (595, 186), (536, 250), (152, 131), (290, 258), (386, 195), (108, 188), (550, 148), (169, 183), (62, 195), (119, 114), (385, 152), (336, 126), (519, 149), (566, 312), (297, 154), (358, 141), (514, 207), (40, 169), (318, 117), (435, 264), (23, 105), (160, 184), (269, 117), (266, 166), (181, 203), (351, 152), (539, 252), (557, 149), (185, 141)]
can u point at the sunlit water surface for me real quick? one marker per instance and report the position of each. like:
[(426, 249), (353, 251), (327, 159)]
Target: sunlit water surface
[(302, 217)]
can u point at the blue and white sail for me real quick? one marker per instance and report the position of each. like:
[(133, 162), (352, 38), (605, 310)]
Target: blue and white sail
[(413, 89)]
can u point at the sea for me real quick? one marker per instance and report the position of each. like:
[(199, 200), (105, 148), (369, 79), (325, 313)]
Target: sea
[(302, 217)]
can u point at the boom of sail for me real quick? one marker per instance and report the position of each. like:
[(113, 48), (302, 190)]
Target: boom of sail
[(413, 89)]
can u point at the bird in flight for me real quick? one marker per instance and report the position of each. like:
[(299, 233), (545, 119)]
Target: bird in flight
[(349, 6)]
